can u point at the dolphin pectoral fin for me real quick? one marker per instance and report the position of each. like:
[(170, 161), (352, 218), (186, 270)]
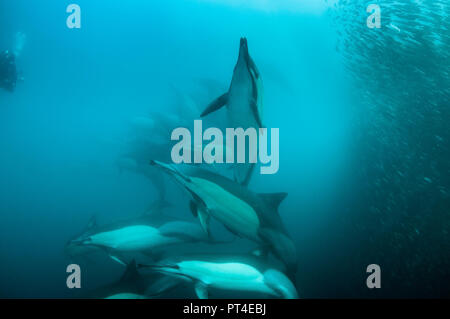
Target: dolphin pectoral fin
[(202, 215), (254, 107), (216, 104), (252, 66), (282, 286), (201, 290), (193, 208), (117, 258)]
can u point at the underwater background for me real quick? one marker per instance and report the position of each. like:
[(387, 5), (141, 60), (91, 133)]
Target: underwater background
[(363, 116)]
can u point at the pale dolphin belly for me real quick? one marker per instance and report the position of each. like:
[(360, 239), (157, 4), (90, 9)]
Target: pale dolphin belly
[(241, 114), (133, 238), (227, 276), (230, 210)]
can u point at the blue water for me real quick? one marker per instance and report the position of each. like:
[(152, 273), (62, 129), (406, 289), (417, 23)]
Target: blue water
[(365, 164)]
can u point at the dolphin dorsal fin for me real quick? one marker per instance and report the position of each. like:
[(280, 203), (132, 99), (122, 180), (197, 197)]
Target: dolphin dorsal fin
[(130, 273), (273, 200)]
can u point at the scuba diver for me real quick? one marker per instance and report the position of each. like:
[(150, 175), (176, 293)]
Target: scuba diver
[(8, 70)]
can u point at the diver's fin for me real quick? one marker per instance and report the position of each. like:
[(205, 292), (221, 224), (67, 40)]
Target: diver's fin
[(201, 290), (273, 200), (216, 104)]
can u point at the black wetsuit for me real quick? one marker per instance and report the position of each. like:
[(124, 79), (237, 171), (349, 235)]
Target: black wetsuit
[(8, 71)]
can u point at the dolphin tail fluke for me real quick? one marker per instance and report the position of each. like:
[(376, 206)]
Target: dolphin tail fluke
[(216, 104)]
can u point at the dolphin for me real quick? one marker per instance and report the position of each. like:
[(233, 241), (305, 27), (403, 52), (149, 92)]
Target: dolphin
[(131, 285), (143, 238), (243, 212), (153, 217), (243, 101), (227, 273)]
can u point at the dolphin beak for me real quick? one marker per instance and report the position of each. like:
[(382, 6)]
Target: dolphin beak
[(243, 49), (170, 169), (79, 242), (76, 242), (243, 42)]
